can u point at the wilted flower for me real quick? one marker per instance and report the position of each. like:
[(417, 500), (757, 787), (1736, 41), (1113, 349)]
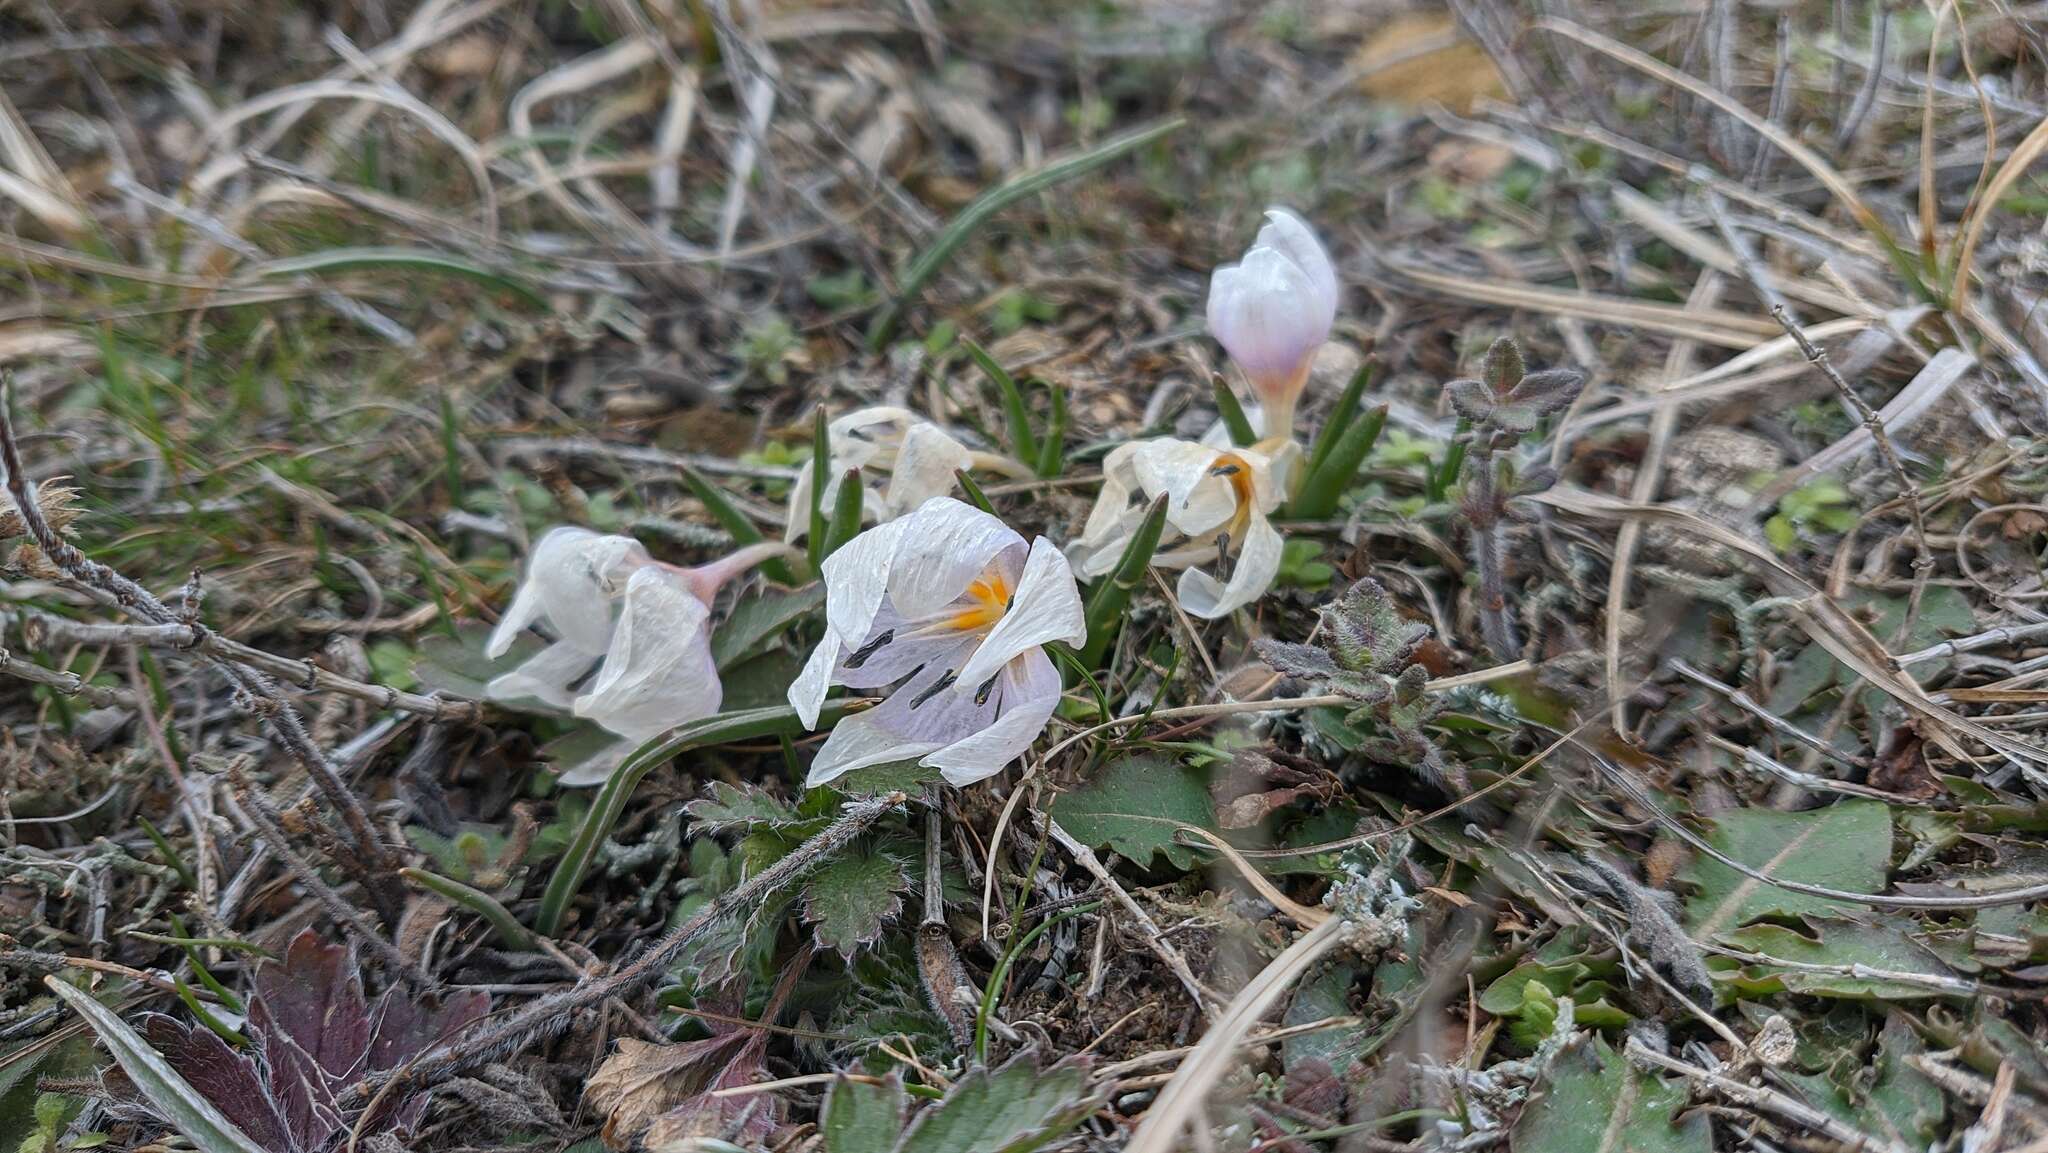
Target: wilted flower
[(953, 608), (1217, 504), (653, 657), (1272, 310), (918, 457)]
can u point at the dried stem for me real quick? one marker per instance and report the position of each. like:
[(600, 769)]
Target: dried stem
[(553, 1014), (1494, 622), (259, 691)]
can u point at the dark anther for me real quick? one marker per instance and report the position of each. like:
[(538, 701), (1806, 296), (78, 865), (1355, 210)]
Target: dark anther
[(860, 655), (938, 686), (988, 686)]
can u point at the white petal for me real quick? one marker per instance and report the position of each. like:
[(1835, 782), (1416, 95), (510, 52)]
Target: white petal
[(807, 692), (598, 767), (1119, 484), (945, 546), (545, 676), (1196, 500), (796, 517), (1257, 564), (554, 560), (1291, 235), (857, 581), (1030, 691), (924, 469), (659, 672), (1269, 315), (858, 743), (1046, 607)]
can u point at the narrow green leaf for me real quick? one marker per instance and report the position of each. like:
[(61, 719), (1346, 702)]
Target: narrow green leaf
[(756, 619), (1234, 419), (975, 496), (501, 920), (724, 728), (1052, 447), (1340, 417), (163, 845), (189, 1112), (220, 1028), (821, 462), (846, 512), (1442, 479), (744, 531), (1023, 445), (1320, 492), (408, 260), (1112, 595), (956, 232)]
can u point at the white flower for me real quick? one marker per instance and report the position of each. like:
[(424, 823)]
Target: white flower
[(919, 457), (950, 606), (1218, 501), (653, 656), (1273, 309)]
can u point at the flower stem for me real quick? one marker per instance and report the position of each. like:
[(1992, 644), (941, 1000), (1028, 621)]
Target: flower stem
[(706, 580)]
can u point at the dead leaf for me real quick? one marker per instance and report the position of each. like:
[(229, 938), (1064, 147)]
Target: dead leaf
[(1421, 59), (640, 1081)]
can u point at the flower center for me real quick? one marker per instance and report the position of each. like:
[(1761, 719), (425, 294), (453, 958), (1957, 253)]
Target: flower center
[(1234, 469), (989, 598)]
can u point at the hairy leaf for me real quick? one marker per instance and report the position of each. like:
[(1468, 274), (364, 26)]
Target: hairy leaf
[(849, 900), (188, 1111), (1592, 1101), (1838, 943), (1134, 805), (1845, 846), (859, 1117), (1014, 1109)]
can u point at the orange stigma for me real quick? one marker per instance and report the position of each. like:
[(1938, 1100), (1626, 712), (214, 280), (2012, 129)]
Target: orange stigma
[(991, 597)]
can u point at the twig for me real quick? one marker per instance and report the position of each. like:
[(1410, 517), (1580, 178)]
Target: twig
[(555, 1013), (70, 684), (1148, 927), (1923, 557), (1776, 723), (1761, 762), (1765, 1099), (43, 629), (268, 822), (262, 695)]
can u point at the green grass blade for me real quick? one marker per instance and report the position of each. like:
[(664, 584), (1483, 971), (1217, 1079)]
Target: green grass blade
[(1340, 417), (975, 496), (500, 919), (1023, 445), (1234, 419), (821, 463), (846, 512), (724, 728), (198, 1008), (744, 531), (410, 260), (1052, 447), (1112, 595), (977, 213), (1319, 494), (199, 1120), (163, 845), (1442, 479)]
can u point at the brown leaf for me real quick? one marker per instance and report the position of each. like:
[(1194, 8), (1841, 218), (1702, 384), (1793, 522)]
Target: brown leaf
[(640, 1081), (1903, 769), (1420, 59)]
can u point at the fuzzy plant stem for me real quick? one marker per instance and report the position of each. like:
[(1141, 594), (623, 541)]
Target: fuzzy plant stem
[(1494, 622)]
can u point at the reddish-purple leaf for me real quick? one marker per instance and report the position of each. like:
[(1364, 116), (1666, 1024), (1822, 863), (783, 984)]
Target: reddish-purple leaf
[(231, 1080)]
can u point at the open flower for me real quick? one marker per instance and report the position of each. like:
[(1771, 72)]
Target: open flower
[(645, 626), (950, 606), (918, 457), (1217, 504), (1272, 310)]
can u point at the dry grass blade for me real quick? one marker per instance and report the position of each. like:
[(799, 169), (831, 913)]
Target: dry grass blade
[(1179, 1105)]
